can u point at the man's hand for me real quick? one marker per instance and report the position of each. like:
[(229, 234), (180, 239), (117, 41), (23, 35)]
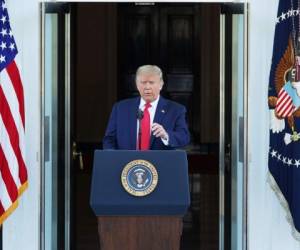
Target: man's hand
[(159, 131)]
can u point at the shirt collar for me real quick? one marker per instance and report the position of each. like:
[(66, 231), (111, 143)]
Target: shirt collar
[(153, 104)]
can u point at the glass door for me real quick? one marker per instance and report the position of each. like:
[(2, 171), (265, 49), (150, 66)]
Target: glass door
[(55, 221), (238, 116), (233, 117)]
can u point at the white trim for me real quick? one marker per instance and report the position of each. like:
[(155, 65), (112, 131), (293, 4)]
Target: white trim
[(284, 204)]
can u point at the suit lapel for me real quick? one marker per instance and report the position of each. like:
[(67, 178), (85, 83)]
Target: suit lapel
[(159, 115), (133, 122)]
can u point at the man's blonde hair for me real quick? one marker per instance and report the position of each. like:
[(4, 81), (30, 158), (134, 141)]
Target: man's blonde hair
[(149, 69)]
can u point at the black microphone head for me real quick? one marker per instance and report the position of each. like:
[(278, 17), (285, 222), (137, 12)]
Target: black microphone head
[(140, 114)]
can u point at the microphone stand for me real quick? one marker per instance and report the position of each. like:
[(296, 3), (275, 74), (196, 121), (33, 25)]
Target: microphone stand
[(140, 115)]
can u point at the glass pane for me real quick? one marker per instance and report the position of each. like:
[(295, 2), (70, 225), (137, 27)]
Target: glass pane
[(51, 128), (237, 131)]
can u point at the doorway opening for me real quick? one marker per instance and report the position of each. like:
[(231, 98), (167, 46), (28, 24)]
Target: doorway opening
[(92, 51)]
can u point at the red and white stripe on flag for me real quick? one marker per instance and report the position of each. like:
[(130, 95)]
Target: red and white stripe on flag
[(13, 172), (13, 178), (284, 105)]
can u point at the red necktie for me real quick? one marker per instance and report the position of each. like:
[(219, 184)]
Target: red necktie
[(145, 127)]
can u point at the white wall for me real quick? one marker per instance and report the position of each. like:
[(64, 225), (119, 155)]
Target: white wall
[(21, 229), (268, 227)]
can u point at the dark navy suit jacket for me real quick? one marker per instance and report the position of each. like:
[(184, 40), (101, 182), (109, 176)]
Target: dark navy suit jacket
[(121, 132)]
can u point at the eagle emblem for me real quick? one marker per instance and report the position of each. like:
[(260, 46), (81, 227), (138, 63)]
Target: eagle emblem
[(287, 85), (139, 177)]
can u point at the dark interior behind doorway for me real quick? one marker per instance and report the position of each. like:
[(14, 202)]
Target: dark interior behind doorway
[(108, 42)]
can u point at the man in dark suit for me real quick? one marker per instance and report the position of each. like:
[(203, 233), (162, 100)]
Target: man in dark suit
[(148, 121)]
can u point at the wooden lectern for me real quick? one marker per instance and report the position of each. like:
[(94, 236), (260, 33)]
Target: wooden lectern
[(130, 222)]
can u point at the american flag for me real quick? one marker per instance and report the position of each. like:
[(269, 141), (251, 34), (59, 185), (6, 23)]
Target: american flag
[(13, 172), (284, 106)]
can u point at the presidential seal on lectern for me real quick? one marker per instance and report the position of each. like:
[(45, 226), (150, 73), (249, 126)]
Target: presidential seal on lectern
[(139, 177)]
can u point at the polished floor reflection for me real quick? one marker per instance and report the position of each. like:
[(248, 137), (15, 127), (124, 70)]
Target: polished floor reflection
[(86, 222)]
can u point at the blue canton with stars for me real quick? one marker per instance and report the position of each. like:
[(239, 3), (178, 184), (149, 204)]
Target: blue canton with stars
[(8, 48)]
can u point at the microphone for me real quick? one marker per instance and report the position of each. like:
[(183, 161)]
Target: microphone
[(139, 116)]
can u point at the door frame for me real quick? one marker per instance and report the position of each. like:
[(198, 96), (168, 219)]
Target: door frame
[(62, 10), (227, 149), (67, 134)]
